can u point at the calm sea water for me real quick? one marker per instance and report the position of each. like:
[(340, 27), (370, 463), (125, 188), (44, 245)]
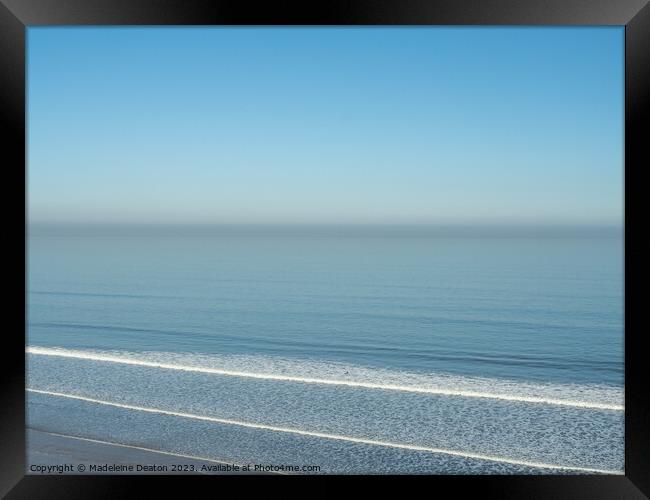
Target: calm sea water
[(420, 353)]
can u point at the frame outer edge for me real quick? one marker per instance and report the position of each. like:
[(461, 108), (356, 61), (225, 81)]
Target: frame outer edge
[(12, 110), (637, 89), (637, 159), (325, 12)]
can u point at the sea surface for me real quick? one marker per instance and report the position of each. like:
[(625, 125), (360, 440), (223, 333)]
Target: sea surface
[(358, 351)]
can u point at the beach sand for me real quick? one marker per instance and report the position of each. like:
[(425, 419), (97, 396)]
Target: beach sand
[(74, 455)]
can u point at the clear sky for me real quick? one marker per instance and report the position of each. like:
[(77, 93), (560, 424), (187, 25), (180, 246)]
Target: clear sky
[(326, 125)]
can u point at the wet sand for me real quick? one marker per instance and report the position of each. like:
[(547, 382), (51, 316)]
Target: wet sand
[(54, 454)]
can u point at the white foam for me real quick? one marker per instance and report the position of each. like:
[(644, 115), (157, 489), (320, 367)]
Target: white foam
[(336, 437), (357, 377)]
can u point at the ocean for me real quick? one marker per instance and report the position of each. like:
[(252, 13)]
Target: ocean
[(357, 350)]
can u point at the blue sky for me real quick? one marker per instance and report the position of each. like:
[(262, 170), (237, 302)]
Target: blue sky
[(326, 125)]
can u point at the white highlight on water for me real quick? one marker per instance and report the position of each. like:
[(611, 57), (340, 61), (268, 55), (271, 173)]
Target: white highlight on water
[(439, 391), (336, 437), (152, 450)]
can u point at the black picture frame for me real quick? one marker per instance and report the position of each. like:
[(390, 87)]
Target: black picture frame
[(17, 15)]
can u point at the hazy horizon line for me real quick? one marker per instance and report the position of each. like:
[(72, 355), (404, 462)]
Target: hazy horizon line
[(37, 228)]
